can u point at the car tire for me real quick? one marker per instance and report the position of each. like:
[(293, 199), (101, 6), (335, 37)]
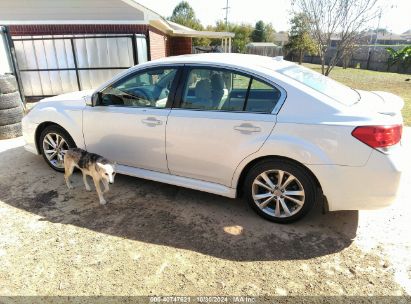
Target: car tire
[(10, 131), (8, 84), (280, 200), (11, 116), (53, 135), (10, 100)]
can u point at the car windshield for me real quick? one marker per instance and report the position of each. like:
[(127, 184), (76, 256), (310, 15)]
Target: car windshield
[(321, 83)]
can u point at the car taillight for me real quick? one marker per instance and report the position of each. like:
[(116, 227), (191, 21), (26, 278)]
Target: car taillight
[(378, 136)]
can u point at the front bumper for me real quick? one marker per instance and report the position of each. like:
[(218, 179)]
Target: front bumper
[(29, 135), (372, 186)]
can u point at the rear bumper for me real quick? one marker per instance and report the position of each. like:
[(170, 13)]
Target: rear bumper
[(29, 131), (372, 186)]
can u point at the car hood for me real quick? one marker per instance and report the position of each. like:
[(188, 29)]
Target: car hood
[(74, 98), (381, 102)]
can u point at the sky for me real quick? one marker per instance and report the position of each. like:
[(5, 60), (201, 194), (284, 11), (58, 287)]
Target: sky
[(395, 17)]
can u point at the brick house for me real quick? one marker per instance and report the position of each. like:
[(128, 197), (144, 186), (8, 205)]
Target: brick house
[(68, 45)]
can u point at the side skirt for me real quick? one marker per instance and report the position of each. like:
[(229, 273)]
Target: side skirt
[(178, 181)]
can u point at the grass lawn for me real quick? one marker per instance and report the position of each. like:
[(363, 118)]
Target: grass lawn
[(374, 81)]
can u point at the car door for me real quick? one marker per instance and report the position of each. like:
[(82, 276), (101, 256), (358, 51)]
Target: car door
[(128, 122), (222, 116)]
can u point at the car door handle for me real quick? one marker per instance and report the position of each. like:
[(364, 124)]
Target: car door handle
[(151, 121), (247, 128)]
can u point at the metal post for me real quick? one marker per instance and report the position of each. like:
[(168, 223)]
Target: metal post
[(226, 15), (148, 46), (10, 44), (135, 51), (75, 63)]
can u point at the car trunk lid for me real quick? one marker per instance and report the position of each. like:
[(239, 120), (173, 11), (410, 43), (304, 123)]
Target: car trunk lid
[(381, 102)]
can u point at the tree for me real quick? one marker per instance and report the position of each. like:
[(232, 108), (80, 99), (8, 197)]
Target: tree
[(259, 33), (345, 19), (269, 33), (242, 34), (401, 56), (300, 41), (184, 14)]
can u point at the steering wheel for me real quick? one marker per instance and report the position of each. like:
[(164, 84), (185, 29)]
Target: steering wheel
[(143, 95)]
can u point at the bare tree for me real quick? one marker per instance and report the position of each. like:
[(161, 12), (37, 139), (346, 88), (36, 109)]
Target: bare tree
[(341, 20)]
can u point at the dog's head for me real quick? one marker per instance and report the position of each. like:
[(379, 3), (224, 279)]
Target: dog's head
[(108, 171)]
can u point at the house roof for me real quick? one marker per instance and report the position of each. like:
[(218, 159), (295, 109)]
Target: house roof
[(261, 44), (406, 35), (383, 35), (371, 35), (281, 36)]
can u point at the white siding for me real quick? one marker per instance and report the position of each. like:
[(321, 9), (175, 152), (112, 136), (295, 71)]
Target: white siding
[(66, 10)]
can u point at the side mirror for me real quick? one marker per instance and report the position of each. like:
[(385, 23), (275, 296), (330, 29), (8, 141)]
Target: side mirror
[(93, 99), (87, 99)]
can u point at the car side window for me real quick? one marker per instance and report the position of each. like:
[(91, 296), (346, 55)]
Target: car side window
[(210, 89), (145, 89), (262, 97), (224, 90)]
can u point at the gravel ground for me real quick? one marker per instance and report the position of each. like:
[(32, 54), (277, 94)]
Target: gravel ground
[(157, 239)]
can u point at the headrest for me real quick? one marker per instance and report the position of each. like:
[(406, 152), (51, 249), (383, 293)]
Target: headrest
[(203, 89), (217, 82)]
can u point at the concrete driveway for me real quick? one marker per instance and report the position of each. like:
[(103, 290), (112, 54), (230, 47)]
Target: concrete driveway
[(157, 239)]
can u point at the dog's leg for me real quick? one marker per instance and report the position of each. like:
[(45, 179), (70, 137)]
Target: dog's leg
[(106, 187), (85, 182), (68, 171), (98, 189)]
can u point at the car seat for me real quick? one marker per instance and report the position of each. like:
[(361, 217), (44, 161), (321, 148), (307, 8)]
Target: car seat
[(217, 89), (203, 94)]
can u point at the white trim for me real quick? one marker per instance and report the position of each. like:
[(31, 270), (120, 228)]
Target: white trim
[(182, 31), (148, 13), (186, 182), (14, 22), (207, 34)]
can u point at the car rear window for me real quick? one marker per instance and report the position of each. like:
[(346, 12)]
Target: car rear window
[(321, 83)]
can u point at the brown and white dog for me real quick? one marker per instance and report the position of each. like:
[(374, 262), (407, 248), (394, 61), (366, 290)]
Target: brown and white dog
[(98, 167)]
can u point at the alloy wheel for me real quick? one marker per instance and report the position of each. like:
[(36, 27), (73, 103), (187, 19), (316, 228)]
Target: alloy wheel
[(54, 147), (278, 193)]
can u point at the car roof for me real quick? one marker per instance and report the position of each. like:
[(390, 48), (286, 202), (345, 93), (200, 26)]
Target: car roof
[(246, 61)]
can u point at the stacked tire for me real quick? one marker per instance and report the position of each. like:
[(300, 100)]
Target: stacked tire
[(11, 108)]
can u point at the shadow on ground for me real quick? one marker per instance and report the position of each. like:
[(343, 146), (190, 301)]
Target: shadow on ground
[(166, 215)]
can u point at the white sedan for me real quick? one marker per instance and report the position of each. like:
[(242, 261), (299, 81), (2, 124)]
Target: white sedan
[(279, 134)]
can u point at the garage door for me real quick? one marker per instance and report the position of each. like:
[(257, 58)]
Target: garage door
[(52, 65)]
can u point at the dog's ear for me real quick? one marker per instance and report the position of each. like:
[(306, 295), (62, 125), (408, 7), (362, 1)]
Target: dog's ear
[(100, 165)]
